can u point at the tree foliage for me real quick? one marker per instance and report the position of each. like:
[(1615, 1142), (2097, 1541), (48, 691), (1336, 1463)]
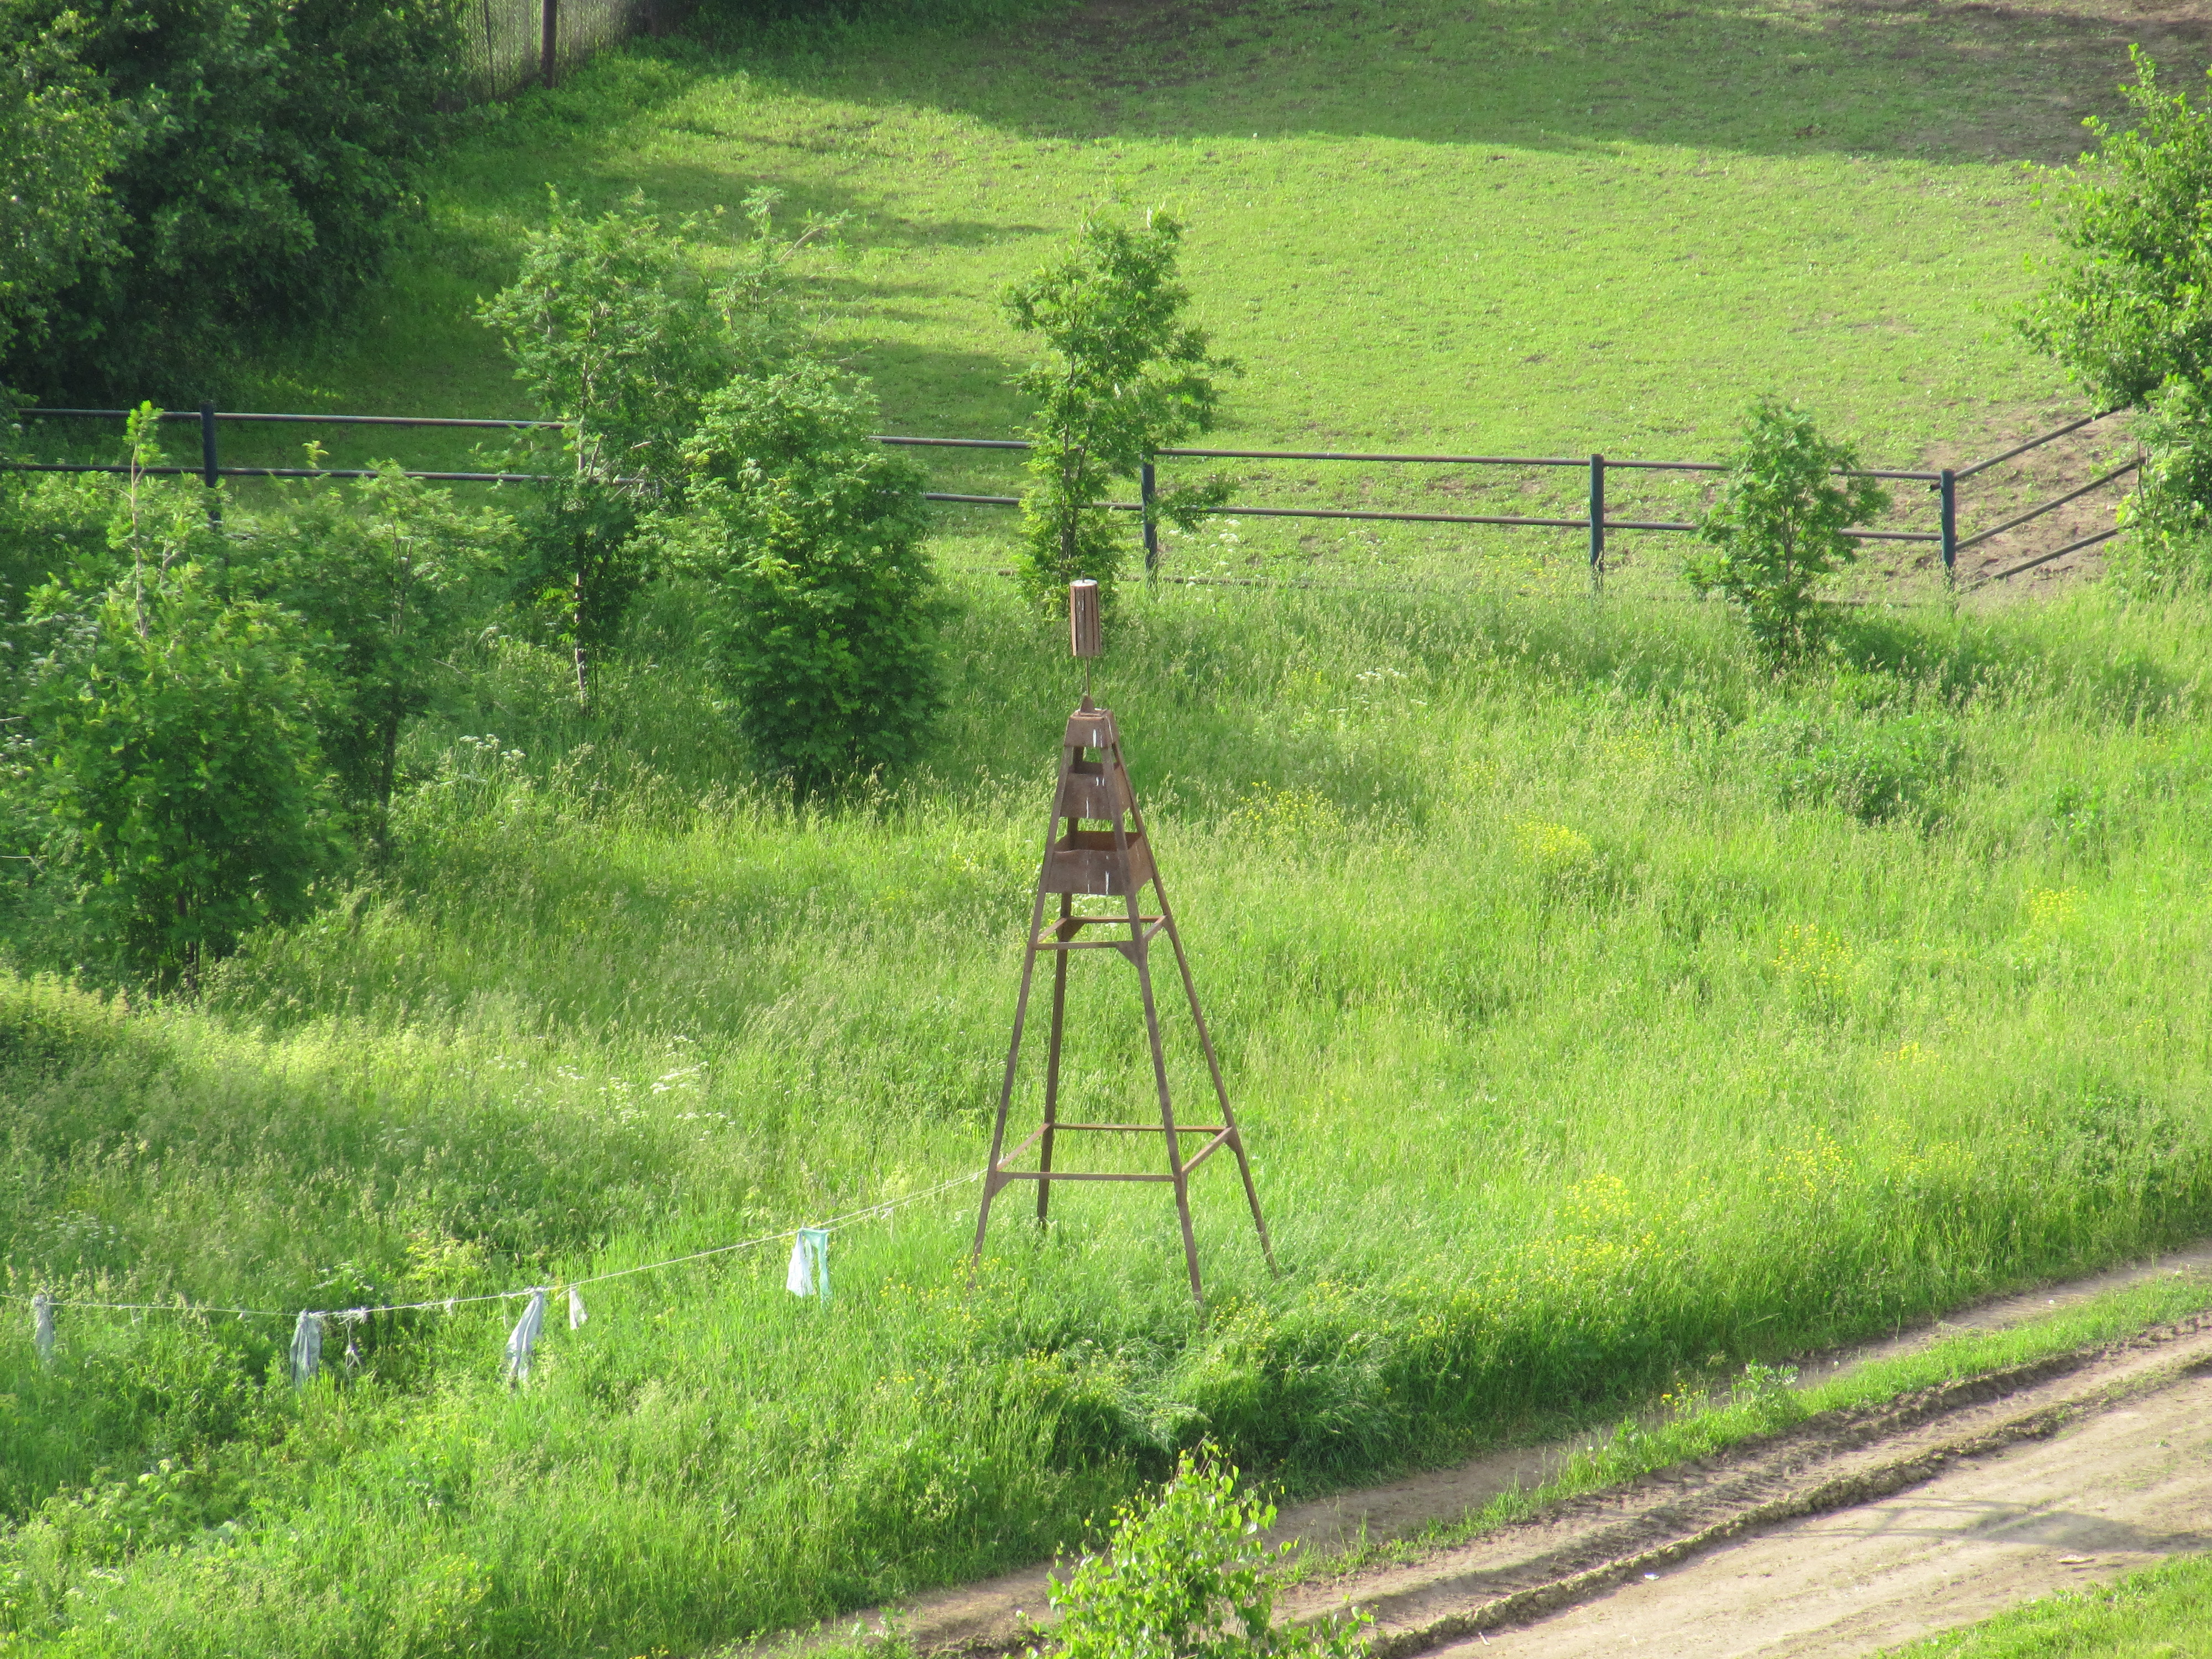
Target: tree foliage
[(1185, 1576), (1776, 531), (2129, 304), (614, 327), (1128, 375), (2168, 515), (58, 139), (266, 151), (813, 537)]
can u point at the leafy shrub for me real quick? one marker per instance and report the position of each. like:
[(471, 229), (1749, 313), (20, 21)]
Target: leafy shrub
[(1127, 376), (813, 536), (383, 572), (2077, 817), (173, 756), (49, 522), (2127, 309), (1776, 531), (269, 149), (171, 786), (2168, 515), (616, 330), (1873, 769), (1186, 1576)]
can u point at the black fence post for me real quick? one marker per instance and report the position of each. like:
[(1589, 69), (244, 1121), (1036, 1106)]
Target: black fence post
[(548, 39), (211, 466), (1597, 522), (1947, 485), (1145, 494)]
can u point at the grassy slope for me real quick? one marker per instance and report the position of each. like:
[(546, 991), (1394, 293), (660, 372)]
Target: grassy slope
[(1572, 1058), (1525, 228), (1584, 1037)]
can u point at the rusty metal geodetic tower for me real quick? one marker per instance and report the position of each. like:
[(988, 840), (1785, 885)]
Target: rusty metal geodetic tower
[(1114, 860)]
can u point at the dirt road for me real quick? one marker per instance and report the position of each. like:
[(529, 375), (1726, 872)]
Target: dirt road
[(1846, 1534), (2117, 1491)]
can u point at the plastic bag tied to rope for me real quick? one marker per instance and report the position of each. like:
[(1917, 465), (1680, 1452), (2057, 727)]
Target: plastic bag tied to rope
[(42, 1327), (524, 1337), (307, 1349), (808, 1273), (577, 1314)]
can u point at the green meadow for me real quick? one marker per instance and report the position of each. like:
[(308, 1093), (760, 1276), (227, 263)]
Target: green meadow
[(1600, 1013), (1603, 1011)]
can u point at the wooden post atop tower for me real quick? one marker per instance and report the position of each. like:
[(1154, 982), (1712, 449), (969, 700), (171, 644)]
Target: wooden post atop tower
[(1114, 860)]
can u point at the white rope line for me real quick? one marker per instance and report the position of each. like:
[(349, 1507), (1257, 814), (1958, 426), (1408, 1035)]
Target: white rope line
[(874, 1211)]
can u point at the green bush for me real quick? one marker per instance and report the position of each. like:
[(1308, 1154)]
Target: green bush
[(173, 757), (2168, 515), (269, 150), (383, 572), (613, 327), (1874, 769), (1185, 1576), (1776, 531), (167, 785), (2126, 308), (813, 536)]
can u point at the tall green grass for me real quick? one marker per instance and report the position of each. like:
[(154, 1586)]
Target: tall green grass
[(1598, 1008), (2163, 1612)]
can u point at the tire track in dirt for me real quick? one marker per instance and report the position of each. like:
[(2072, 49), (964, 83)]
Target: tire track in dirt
[(1575, 1559), (1579, 1554)]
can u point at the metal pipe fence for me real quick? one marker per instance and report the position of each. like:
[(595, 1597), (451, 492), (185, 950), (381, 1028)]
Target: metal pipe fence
[(1596, 519)]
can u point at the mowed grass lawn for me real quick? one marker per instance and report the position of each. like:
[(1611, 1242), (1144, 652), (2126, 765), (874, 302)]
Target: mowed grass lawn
[(1603, 1009)]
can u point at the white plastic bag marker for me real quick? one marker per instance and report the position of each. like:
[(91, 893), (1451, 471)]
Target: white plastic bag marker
[(42, 1327), (524, 1337), (307, 1349), (354, 1319), (576, 1314), (808, 1273)]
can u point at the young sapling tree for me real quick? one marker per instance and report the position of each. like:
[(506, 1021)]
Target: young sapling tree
[(383, 571), (2128, 310), (2128, 305), (1774, 533), (1128, 375), (618, 332)]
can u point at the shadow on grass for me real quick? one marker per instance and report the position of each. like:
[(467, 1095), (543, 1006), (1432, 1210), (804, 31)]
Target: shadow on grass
[(1856, 77)]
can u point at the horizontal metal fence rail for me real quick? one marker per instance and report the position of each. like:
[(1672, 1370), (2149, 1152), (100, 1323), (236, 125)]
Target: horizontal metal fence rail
[(1596, 521)]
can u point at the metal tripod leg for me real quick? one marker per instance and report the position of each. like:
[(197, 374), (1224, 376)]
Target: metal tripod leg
[(992, 1180), (1220, 1090), (1142, 951), (1213, 1064), (1052, 1060)]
